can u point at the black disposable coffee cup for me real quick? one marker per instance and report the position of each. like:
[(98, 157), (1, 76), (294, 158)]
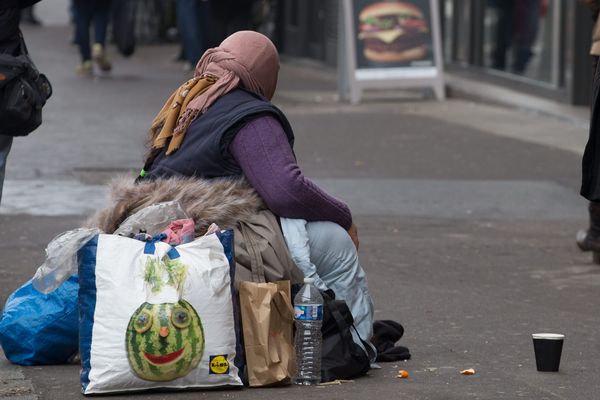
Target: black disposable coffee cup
[(548, 348)]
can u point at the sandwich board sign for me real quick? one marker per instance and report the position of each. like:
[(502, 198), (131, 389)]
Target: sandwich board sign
[(389, 44)]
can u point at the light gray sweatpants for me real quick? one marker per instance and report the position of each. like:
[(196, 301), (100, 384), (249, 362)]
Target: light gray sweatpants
[(324, 251)]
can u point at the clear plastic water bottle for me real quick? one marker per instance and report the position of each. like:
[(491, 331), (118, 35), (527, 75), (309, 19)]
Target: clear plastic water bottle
[(308, 313)]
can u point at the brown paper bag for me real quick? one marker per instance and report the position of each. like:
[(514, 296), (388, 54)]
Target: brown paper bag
[(267, 323)]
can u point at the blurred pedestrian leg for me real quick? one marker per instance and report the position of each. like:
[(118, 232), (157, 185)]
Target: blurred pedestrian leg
[(5, 145), (86, 12), (124, 14), (193, 23), (9, 44), (526, 25)]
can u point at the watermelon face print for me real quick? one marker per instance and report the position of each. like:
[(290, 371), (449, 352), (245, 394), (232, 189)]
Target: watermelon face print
[(164, 338), (164, 341)]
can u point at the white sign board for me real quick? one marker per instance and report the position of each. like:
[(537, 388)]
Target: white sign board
[(389, 44)]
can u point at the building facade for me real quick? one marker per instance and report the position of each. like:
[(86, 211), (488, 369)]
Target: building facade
[(537, 47)]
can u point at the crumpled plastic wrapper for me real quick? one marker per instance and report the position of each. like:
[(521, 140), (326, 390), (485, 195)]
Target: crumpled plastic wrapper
[(469, 371), (153, 219), (61, 252), (61, 259)]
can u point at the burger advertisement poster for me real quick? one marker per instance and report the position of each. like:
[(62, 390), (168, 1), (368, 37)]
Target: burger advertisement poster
[(393, 33)]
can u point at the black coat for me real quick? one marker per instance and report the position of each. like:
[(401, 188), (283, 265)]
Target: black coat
[(590, 165), (9, 24), (590, 183), (6, 4)]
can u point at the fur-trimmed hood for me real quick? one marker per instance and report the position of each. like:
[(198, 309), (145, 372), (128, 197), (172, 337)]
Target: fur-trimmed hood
[(222, 201)]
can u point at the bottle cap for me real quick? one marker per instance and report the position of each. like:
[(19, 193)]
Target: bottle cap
[(309, 280)]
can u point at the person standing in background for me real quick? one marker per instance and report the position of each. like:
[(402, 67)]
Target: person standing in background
[(516, 30), (589, 240), (86, 12), (10, 11), (193, 23)]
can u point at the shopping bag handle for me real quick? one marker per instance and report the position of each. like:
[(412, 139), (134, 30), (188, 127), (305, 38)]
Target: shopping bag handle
[(256, 262), (150, 247), (284, 306)]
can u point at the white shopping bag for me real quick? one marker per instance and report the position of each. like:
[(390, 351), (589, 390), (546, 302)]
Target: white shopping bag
[(155, 316)]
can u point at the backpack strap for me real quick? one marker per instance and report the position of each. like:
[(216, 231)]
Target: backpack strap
[(22, 45), (372, 354), (342, 323), (256, 262)]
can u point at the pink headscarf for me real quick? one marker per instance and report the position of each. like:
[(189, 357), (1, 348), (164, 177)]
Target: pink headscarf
[(246, 58)]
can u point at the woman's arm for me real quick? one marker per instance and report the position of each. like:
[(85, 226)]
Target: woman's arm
[(263, 152)]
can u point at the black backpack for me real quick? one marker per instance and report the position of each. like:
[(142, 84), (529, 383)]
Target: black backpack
[(23, 93), (341, 357)]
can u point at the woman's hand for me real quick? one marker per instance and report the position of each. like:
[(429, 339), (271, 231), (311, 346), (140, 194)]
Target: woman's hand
[(353, 232)]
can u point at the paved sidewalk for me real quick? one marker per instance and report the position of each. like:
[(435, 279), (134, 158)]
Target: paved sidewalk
[(467, 214)]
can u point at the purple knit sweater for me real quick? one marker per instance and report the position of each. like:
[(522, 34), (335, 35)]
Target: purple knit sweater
[(264, 154)]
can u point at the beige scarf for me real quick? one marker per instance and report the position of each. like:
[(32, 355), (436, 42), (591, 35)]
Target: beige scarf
[(246, 58)]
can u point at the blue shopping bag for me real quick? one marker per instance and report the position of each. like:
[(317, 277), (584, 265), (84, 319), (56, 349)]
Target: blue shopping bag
[(37, 328)]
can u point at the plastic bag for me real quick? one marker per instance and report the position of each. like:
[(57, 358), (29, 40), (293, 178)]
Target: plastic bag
[(37, 328), (152, 219), (123, 22), (61, 259), (61, 252)]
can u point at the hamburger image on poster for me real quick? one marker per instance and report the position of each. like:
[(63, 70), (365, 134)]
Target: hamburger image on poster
[(393, 32)]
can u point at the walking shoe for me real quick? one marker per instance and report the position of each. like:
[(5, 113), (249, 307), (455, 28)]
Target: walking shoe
[(99, 55), (589, 240), (85, 69)]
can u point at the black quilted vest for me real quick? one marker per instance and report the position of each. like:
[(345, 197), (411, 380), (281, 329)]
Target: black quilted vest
[(204, 152)]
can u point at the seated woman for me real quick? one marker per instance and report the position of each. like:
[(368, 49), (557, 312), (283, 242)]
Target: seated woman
[(221, 124)]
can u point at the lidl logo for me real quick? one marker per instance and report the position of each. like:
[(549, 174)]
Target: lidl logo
[(219, 364)]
